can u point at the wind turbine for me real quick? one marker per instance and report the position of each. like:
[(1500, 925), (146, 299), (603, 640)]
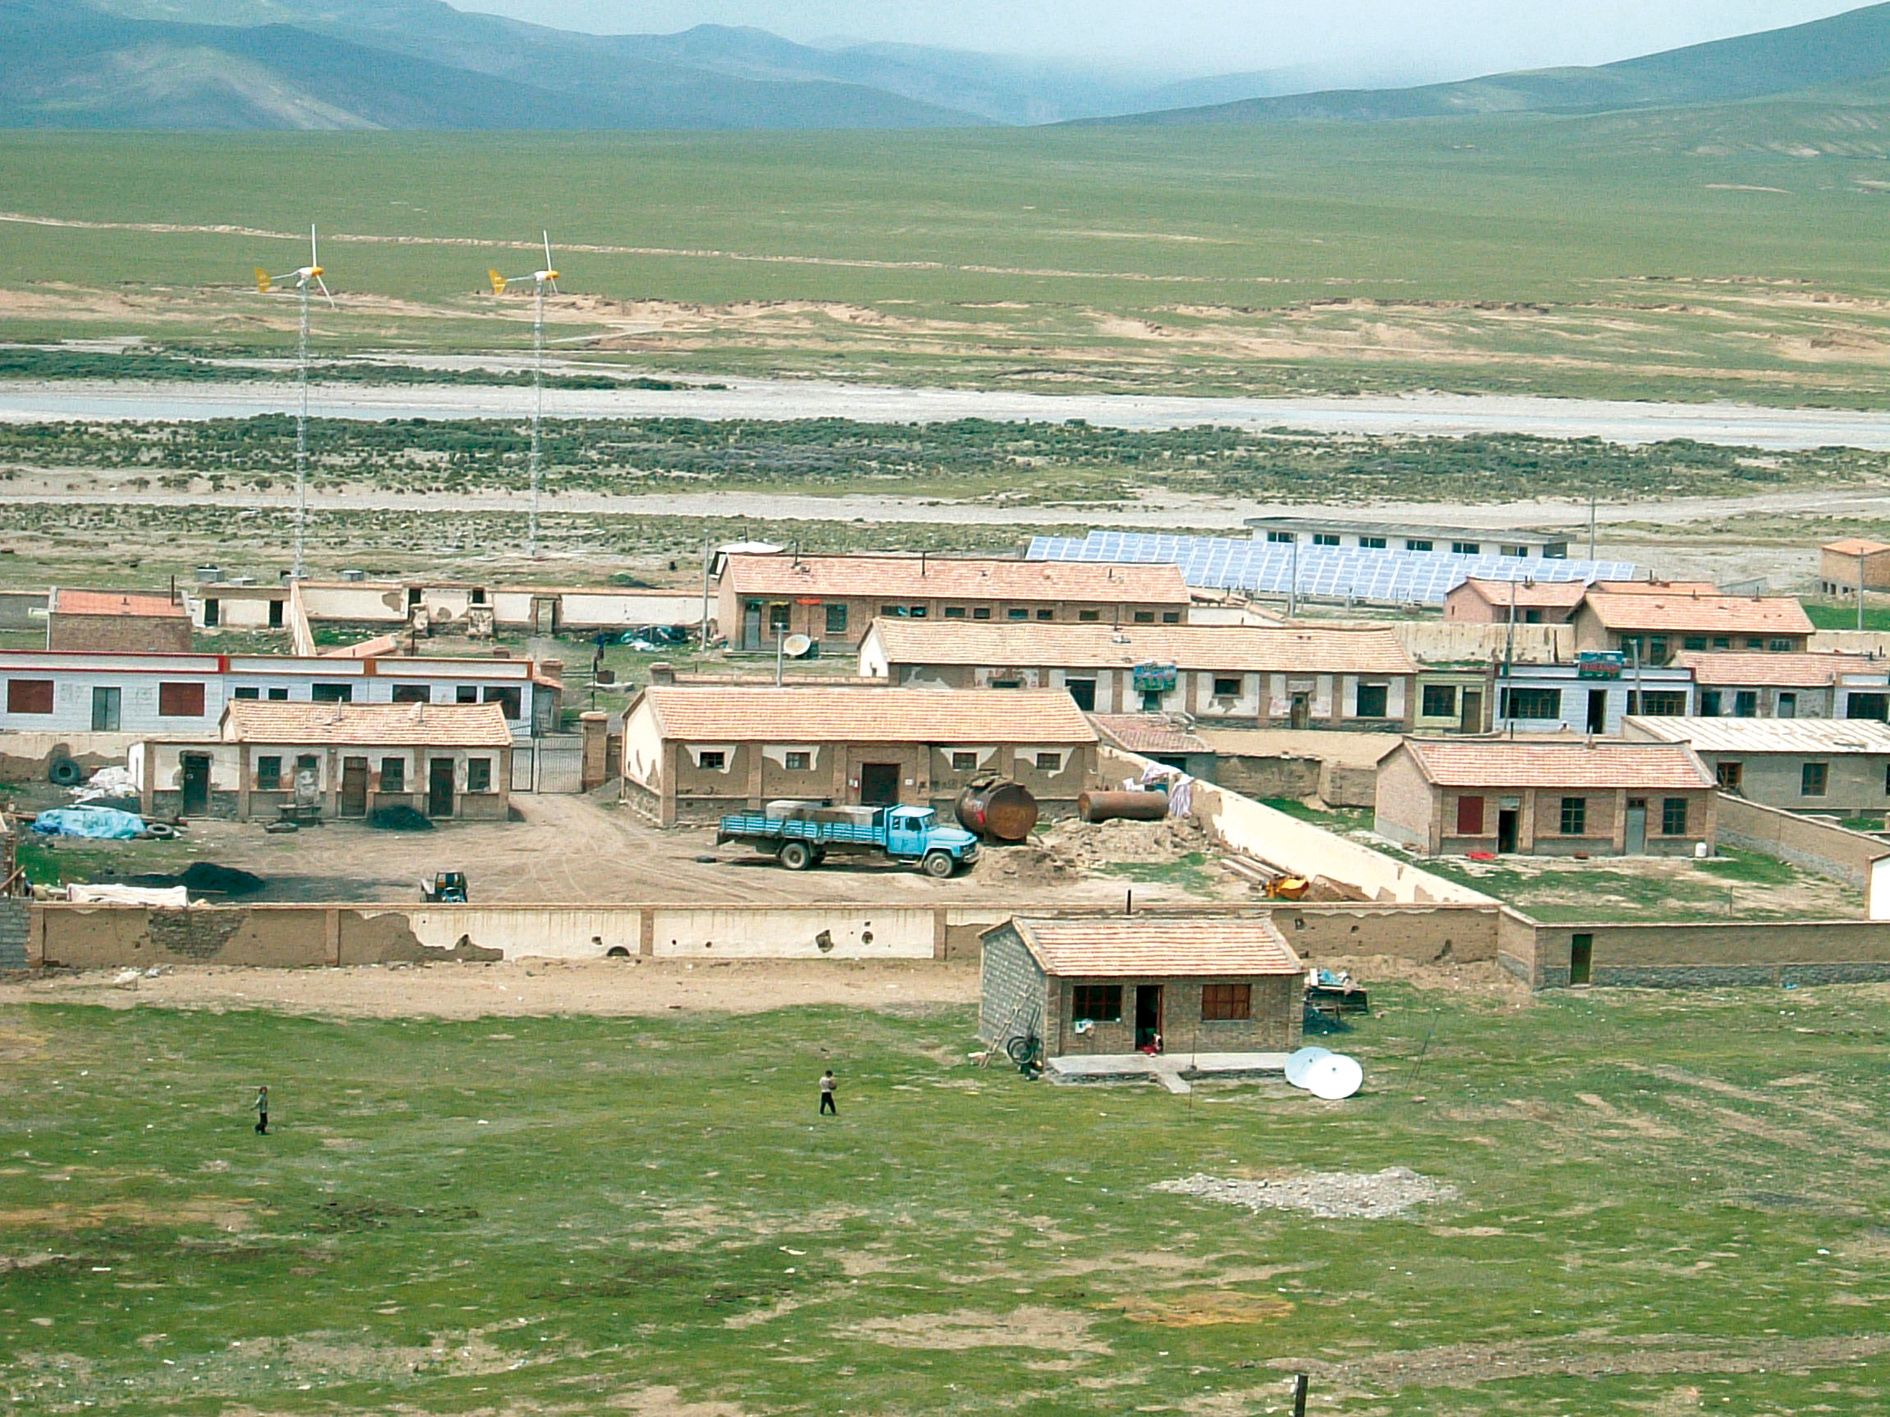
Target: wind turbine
[(539, 279), (304, 277)]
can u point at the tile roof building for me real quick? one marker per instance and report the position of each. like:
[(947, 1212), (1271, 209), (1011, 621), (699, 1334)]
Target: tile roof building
[(1787, 686), (1480, 602), (1844, 563), (1117, 985), (1835, 766), (1249, 675), (1545, 798), (832, 599), (692, 753), (1656, 625), (137, 621)]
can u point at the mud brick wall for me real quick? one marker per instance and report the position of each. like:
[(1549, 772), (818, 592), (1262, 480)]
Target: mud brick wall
[(14, 921)]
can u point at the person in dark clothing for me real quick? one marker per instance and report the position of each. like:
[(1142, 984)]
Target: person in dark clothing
[(827, 1085), (262, 1111)]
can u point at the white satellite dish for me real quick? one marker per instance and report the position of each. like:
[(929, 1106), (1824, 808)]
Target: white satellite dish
[(1334, 1077), (794, 646), (1297, 1064)]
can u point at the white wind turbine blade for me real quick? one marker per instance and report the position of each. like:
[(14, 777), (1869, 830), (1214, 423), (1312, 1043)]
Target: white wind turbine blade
[(325, 295)]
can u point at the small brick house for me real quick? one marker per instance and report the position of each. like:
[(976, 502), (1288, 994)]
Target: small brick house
[(1652, 623), (1483, 602), (116, 620), (1124, 983), (1451, 798), (1844, 563)]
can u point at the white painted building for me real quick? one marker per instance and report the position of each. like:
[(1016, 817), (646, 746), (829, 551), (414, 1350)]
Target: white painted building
[(1573, 698), (185, 694)]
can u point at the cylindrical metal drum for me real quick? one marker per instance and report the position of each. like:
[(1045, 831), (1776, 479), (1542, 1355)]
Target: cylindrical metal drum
[(998, 811), (1130, 806)]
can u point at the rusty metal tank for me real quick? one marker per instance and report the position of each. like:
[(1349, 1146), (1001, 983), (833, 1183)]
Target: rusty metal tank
[(1127, 806), (997, 810)]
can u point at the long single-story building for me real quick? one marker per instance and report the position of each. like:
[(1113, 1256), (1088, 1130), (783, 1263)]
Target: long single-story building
[(1451, 798), (445, 761), (113, 620), (1124, 984), (1367, 535), (1592, 695), (1829, 765), (179, 694), (692, 753), (1812, 685), (1237, 675), (833, 599), (1653, 623)]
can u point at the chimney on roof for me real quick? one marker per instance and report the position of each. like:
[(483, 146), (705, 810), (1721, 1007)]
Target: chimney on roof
[(662, 672), (922, 565)]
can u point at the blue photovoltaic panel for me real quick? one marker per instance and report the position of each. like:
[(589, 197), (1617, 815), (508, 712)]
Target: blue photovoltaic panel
[(1324, 572)]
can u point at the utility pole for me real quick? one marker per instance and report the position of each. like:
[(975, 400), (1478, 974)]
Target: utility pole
[(1509, 661), (1292, 590), (1591, 526), (705, 592), (1860, 592)]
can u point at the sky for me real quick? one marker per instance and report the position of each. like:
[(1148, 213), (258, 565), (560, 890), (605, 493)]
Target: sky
[(1429, 38)]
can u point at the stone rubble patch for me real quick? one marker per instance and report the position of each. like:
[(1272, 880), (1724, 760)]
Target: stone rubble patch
[(1330, 1195)]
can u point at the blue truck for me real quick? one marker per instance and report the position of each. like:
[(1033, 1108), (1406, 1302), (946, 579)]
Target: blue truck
[(801, 835)]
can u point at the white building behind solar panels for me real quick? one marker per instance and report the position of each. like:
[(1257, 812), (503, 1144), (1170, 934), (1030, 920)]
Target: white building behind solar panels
[(1344, 532)]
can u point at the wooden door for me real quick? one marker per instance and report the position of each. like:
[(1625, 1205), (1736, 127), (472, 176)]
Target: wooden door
[(354, 780)]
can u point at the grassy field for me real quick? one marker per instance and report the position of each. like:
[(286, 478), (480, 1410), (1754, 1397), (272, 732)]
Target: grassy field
[(1604, 256), (1664, 1206)]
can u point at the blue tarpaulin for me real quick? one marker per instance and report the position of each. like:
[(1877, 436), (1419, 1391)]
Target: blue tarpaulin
[(97, 823)]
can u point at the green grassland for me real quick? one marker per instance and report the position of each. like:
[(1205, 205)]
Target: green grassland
[(1732, 252), (1665, 1204)]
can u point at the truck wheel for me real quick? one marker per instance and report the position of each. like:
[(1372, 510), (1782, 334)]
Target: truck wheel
[(796, 856), (938, 865)]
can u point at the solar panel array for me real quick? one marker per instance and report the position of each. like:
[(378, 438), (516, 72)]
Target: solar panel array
[(1343, 573)]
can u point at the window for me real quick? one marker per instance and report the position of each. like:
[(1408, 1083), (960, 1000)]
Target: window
[(1282, 538), (1418, 543), (277, 696), (332, 693), (981, 612), (1046, 614), (1009, 681), (1374, 700), (1082, 693), (1694, 642), (1016, 614), (1722, 642), (1145, 617), (1089, 617), (1673, 816), (252, 692), (1324, 538), (212, 612), (1099, 1003), (1469, 816), (954, 612), (890, 612), (1779, 646), (1226, 688), (509, 699), (1440, 700), (916, 612), (269, 773), (1224, 1002), (712, 760), (180, 700), (479, 774), (1515, 550), (964, 761), (1372, 543), (836, 619), (1533, 704), (1813, 780), (778, 618), (1171, 617), (412, 694), (1466, 548), (1049, 762), (1872, 706), (1709, 703), (1574, 816), (1745, 703), (1657, 649), (393, 774), (1730, 775), (1755, 644), (799, 761), (466, 694), (1788, 705), (310, 766), (1659, 703)]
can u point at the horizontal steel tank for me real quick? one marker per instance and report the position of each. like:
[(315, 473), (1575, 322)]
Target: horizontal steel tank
[(997, 810), (1128, 806)]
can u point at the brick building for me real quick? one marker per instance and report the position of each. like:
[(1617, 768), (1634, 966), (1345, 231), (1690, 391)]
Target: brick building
[(1545, 799), (1654, 623), (1842, 564), (116, 620), (1122, 984), (1233, 675), (833, 599), (1757, 685), (445, 761), (692, 753), (1804, 765), (1480, 602)]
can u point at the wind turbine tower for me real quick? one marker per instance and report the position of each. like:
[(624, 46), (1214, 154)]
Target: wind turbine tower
[(304, 277), (541, 280)]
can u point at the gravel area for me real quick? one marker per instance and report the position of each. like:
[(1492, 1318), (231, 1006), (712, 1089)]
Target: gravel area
[(1330, 1195)]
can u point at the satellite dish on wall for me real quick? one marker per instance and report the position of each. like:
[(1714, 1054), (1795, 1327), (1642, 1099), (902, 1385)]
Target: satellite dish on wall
[(794, 646)]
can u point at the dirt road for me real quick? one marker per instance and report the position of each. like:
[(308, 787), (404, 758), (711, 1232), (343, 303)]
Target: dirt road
[(1433, 414)]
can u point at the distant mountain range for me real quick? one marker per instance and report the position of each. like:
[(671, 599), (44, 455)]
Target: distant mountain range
[(367, 64)]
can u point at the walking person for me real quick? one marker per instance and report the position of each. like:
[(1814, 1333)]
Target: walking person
[(827, 1085), (262, 1111)]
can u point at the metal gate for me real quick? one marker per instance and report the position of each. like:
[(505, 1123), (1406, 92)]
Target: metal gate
[(554, 763)]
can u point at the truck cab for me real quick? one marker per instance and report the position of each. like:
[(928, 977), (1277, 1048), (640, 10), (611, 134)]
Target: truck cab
[(914, 834)]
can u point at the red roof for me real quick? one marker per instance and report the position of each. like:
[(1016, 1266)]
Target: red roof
[(1557, 764), (1728, 668), (143, 604), (955, 578), (790, 713), (1148, 946), (1699, 613), (1528, 595)]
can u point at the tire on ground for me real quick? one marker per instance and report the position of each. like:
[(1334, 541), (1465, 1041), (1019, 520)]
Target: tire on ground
[(65, 772)]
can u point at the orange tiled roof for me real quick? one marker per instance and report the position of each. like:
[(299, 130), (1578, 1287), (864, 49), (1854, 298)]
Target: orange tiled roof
[(1684, 613), (1039, 644), (1855, 546), (948, 578), (1147, 733), (1148, 946), (367, 725), (1785, 671), (1650, 766), (143, 604), (1529, 595), (792, 714)]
